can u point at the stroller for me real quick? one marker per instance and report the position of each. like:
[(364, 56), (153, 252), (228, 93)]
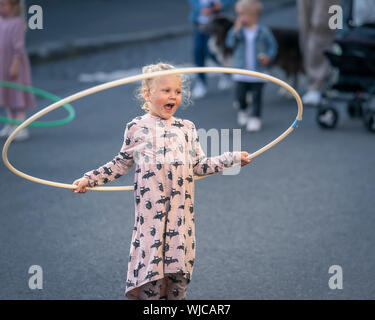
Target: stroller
[(353, 56)]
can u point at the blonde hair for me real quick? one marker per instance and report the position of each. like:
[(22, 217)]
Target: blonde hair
[(19, 10), (19, 7), (147, 83), (253, 5)]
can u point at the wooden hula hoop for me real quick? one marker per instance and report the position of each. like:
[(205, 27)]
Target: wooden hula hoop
[(139, 77)]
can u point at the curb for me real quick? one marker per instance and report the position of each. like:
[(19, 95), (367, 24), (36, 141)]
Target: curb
[(58, 50)]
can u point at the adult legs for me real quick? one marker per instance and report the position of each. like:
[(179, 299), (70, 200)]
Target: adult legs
[(304, 8), (315, 37), (200, 50), (321, 37)]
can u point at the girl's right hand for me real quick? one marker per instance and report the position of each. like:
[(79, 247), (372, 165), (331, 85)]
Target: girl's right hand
[(237, 25), (14, 71), (81, 184), (206, 12)]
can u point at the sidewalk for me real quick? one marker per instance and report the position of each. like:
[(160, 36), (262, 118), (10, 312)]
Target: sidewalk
[(77, 27)]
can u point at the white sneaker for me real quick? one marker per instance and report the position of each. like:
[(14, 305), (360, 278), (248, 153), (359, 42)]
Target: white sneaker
[(23, 135), (253, 124), (327, 118), (199, 90), (284, 93), (242, 118), (4, 132), (312, 98), (224, 83)]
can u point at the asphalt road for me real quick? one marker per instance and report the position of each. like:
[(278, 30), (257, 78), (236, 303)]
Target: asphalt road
[(271, 232), (62, 20)]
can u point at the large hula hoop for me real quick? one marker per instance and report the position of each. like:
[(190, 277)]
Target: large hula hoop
[(139, 77), (43, 94)]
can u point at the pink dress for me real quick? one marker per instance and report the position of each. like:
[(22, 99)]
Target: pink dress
[(167, 154), (12, 44)]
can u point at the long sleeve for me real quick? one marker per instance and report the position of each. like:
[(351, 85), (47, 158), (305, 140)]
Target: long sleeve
[(233, 38), (120, 165), (272, 46), (18, 39), (203, 165)]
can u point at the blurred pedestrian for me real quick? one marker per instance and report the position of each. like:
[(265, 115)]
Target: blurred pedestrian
[(315, 38), (254, 48), (201, 14), (14, 66)]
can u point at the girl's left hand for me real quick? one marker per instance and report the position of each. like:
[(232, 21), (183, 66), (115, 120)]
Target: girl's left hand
[(14, 70), (264, 59), (237, 25), (244, 158), (206, 11), (216, 6)]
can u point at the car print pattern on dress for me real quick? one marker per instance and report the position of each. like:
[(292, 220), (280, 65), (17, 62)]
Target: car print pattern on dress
[(167, 154)]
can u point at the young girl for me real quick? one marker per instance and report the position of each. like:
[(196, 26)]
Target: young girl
[(14, 66), (254, 48), (167, 154)]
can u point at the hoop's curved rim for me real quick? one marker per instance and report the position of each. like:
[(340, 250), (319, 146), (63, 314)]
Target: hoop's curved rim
[(139, 77), (43, 94)]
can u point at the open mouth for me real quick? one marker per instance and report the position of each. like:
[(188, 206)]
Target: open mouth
[(169, 106)]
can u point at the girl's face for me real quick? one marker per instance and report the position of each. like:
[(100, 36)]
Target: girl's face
[(247, 16), (164, 96), (6, 9)]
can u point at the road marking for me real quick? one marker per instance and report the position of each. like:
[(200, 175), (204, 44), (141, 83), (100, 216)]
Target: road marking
[(102, 77)]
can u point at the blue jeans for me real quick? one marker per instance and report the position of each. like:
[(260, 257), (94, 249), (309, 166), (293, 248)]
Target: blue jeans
[(200, 49), (256, 89)]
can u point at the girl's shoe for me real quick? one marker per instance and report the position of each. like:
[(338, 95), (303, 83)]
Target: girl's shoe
[(224, 83), (312, 98), (254, 124), (242, 118), (199, 90), (4, 132), (23, 135)]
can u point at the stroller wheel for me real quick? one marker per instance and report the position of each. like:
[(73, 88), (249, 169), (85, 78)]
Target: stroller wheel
[(327, 117), (354, 108), (369, 120)]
